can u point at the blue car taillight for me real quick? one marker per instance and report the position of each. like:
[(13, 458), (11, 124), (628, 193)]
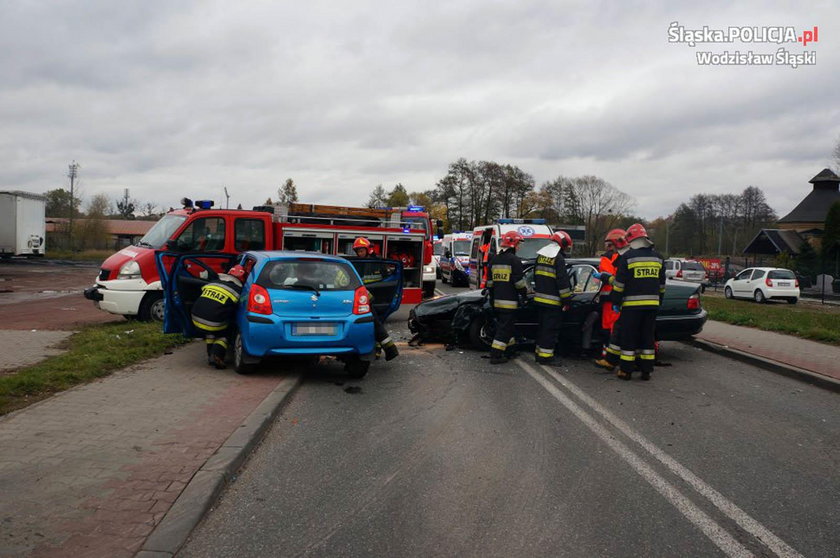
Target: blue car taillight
[(361, 301), (258, 301)]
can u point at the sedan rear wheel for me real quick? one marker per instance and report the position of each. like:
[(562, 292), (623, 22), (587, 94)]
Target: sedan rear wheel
[(727, 292), (758, 296)]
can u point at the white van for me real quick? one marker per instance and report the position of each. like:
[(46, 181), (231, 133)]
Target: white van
[(535, 233)]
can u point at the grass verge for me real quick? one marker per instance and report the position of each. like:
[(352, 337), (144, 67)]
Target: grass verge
[(93, 352), (798, 320)]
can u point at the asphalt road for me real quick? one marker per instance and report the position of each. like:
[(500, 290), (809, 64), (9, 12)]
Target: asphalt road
[(441, 454)]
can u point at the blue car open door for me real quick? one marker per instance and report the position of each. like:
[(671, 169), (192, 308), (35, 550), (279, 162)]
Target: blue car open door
[(182, 277), (384, 280)]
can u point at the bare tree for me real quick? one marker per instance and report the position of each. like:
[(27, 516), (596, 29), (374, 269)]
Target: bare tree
[(287, 193), (835, 155), (598, 205), (378, 198)]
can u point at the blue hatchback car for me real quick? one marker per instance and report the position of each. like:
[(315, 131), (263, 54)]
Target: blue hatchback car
[(292, 303)]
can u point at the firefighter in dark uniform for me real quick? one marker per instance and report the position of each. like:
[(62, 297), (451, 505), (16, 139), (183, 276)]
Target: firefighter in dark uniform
[(507, 284), (616, 245), (372, 275), (214, 311), (552, 293), (638, 290)]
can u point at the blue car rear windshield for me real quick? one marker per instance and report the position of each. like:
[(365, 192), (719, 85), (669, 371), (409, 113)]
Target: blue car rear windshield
[(317, 274)]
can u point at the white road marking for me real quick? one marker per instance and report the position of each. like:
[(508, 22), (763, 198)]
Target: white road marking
[(717, 534), (728, 508)]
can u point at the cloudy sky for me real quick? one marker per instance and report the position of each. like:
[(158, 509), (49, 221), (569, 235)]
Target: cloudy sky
[(173, 99)]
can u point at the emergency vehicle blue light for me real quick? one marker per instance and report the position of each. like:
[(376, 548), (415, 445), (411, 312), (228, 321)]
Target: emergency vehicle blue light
[(416, 208), (406, 228), (504, 221), (204, 204)]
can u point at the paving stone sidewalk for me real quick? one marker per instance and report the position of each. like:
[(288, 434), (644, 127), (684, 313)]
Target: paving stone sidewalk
[(92, 471), (818, 358)]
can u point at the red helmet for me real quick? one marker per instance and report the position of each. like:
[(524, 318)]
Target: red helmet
[(563, 239), (616, 236), (237, 271), (634, 232), (361, 242), (511, 239)]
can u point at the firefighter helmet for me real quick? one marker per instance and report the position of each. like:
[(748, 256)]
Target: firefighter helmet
[(563, 239), (511, 239), (616, 236), (634, 232), (361, 242), (237, 271)]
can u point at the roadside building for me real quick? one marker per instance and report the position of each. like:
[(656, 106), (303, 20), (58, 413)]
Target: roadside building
[(117, 233), (805, 223)]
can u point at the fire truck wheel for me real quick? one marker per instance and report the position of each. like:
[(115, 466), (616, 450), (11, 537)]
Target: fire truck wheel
[(151, 308)]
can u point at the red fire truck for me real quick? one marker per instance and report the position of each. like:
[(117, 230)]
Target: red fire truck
[(128, 282)]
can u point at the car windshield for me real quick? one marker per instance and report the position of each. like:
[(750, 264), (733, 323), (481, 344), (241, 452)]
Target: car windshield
[(461, 247), (308, 274), (781, 274), (528, 248), (693, 266), (438, 249), (161, 231)]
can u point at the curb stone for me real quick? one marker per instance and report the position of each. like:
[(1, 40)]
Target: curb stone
[(788, 370), (206, 485)]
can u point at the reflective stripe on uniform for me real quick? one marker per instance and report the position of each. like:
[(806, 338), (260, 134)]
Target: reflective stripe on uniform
[(643, 259), (221, 341), (618, 286), (647, 357), (506, 304), (637, 303), (498, 345), (613, 349), (207, 325), (628, 355), (547, 273), (548, 299), (640, 297), (565, 293), (545, 353)]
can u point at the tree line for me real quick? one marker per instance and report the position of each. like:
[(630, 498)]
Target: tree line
[(474, 193), (714, 223)]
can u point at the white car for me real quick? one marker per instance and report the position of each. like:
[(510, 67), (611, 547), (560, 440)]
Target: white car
[(763, 283), (685, 270)]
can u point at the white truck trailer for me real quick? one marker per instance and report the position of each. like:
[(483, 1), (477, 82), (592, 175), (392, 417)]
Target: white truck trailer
[(22, 224)]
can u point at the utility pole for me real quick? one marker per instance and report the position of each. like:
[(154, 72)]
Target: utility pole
[(227, 199), (72, 173)]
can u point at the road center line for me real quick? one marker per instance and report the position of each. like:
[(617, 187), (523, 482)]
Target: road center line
[(727, 507), (717, 534)]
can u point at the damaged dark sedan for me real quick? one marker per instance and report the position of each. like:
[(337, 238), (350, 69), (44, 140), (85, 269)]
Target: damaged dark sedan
[(468, 317)]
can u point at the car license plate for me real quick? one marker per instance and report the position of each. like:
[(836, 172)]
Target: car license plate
[(783, 283), (313, 329)]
